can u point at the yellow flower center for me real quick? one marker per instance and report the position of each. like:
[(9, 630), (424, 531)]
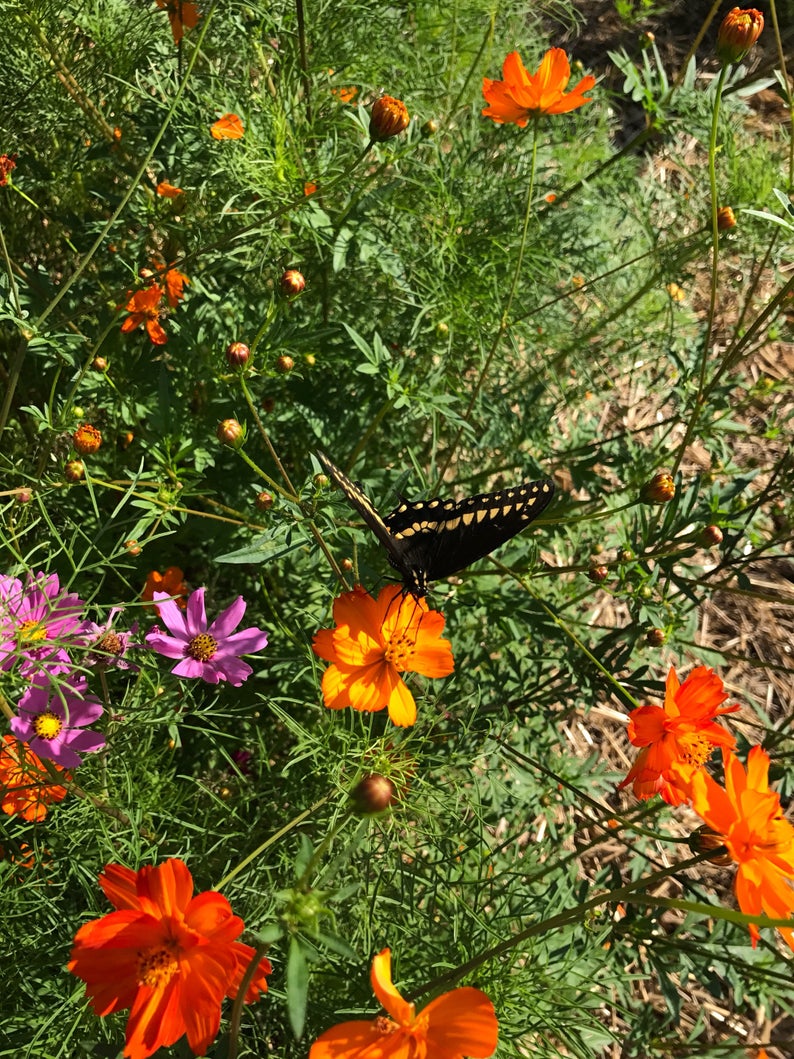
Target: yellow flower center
[(156, 967), (399, 651), (202, 647), (694, 749), (47, 725), (384, 1026), (31, 630), (109, 644)]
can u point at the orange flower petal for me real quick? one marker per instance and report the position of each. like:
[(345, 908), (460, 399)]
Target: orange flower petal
[(462, 1022), (400, 1010), (352, 1040), (228, 127)]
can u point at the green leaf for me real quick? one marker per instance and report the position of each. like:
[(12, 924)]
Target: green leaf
[(297, 987)]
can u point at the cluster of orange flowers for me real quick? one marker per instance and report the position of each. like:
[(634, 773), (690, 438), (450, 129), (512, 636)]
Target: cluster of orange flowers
[(146, 306)]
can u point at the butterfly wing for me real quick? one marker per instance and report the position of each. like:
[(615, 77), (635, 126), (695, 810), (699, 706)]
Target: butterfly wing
[(359, 500), (441, 537)]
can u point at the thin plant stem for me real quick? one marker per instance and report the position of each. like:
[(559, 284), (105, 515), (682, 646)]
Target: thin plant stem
[(715, 254), (505, 318), (789, 95), (305, 79)]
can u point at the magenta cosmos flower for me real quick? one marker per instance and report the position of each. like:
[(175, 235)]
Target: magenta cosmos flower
[(211, 652), (36, 622), (52, 719), (108, 646)]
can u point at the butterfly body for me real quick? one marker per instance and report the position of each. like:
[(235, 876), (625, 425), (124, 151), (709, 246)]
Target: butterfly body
[(428, 539)]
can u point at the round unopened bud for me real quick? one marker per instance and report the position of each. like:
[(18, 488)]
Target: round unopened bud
[(597, 574), (442, 329), (292, 283), (711, 536), (285, 364), (87, 439), (389, 118), (321, 480), (99, 364), (132, 547), (738, 32), (726, 218), (24, 496), (430, 128), (625, 555), (264, 501), (310, 359), (646, 39), (705, 839), (347, 565), (126, 439), (659, 490), (655, 637), (74, 471), (237, 354), (374, 793), (230, 433)]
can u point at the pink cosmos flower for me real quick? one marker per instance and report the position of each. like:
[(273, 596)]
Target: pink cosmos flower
[(36, 619), (108, 646), (211, 652), (51, 719)]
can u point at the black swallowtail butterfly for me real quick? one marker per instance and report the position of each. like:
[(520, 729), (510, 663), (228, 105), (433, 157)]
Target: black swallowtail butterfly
[(428, 539)]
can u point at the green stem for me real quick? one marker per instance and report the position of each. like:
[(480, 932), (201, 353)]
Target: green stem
[(505, 318)]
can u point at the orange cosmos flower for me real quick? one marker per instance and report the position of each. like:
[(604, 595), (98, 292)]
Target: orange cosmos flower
[(309, 188), (166, 955), (182, 14), (144, 308), (25, 785), (172, 581), (456, 1024), (522, 95), (677, 738), (748, 817), (345, 95), (738, 32), (373, 643), (175, 283), (168, 191), (228, 127)]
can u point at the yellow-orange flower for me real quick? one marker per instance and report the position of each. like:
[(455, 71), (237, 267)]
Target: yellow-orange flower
[(457, 1024), (87, 439), (747, 814), (373, 643), (172, 581), (738, 32), (679, 737), (25, 785), (389, 117), (182, 14), (144, 308), (522, 95), (168, 191), (228, 127)]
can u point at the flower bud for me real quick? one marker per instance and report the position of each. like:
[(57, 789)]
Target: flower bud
[(310, 359), (373, 794), (126, 439), (264, 501), (132, 547), (659, 490), (430, 128), (711, 536), (704, 839), (321, 481), (292, 283), (347, 565), (74, 471), (230, 433), (655, 637), (597, 574), (739, 31), (625, 555), (726, 218), (237, 354), (24, 496), (389, 118), (99, 364), (87, 439), (285, 364)]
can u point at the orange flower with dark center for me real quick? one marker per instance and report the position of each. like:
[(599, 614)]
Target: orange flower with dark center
[(748, 817), (457, 1024), (228, 127), (172, 581), (373, 643), (144, 308), (677, 739), (166, 955), (26, 788), (522, 95), (182, 14)]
